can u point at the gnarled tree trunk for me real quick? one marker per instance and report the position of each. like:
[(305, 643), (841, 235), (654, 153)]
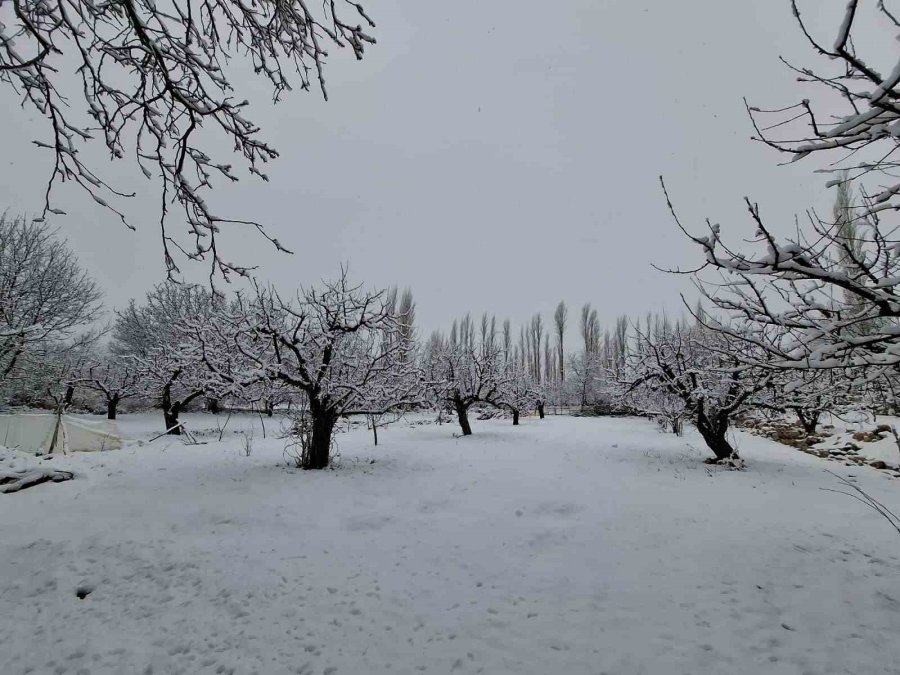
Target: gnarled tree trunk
[(462, 414), (540, 409), (515, 414), (170, 411), (713, 431), (808, 420), (170, 415)]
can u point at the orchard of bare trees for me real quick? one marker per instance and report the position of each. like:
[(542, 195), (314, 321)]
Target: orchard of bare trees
[(803, 325), (766, 343), (516, 404)]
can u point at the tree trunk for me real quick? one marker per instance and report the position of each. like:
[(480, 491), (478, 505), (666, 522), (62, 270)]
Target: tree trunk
[(319, 453), (56, 430), (515, 418), (170, 415), (807, 421), (270, 408), (213, 405), (540, 408), (111, 405), (375, 429), (170, 412), (70, 394), (462, 414), (12, 362), (713, 432)]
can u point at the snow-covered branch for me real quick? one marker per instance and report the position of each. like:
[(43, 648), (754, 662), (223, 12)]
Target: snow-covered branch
[(155, 77)]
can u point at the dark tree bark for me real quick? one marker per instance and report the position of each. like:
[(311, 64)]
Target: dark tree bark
[(170, 415), (213, 405), (515, 414), (319, 454), (270, 408), (112, 404), (713, 432), (374, 429), (170, 411), (70, 394), (13, 359), (540, 409), (462, 414), (808, 420)]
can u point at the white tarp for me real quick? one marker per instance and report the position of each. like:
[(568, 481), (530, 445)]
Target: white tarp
[(33, 432)]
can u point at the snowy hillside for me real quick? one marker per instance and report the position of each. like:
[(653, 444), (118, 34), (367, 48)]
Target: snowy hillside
[(560, 546)]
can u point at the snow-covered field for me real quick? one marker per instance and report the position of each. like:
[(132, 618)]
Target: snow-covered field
[(562, 546)]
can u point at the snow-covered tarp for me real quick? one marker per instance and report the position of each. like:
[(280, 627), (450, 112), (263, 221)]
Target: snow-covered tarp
[(34, 433), (17, 475)]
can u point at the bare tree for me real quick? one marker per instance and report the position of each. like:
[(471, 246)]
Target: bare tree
[(54, 374), (431, 364), (339, 345), (271, 394), (585, 372), (809, 394), (861, 141), (699, 367), (550, 382), (406, 322), (560, 316), (799, 302), (619, 346), (469, 367), (46, 298), (152, 338), (536, 336), (670, 410), (516, 392), (585, 369), (114, 378), (402, 309), (590, 329), (827, 296), (151, 76)]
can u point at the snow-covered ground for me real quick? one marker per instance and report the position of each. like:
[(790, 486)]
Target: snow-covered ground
[(882, 449), (561, 546)]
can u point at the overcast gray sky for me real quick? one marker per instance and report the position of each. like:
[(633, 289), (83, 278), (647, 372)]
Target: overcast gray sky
[(495, 156)]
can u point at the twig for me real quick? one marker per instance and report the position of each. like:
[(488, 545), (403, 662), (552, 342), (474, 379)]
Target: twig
[(867, 499)]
